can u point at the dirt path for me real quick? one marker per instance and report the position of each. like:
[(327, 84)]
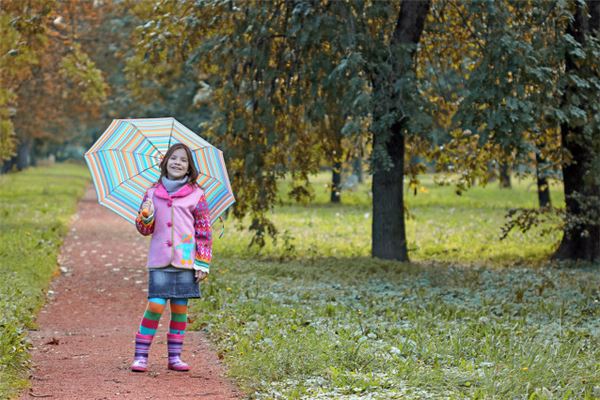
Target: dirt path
[(84, 344)]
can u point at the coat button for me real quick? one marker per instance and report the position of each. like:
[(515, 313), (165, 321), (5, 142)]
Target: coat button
[(169, 243), (169, 224), (170, 203)]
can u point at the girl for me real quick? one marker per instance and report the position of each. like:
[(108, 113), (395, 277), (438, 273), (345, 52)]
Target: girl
[(174, 211)]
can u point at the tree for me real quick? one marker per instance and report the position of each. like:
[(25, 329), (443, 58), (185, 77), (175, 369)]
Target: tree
[(389, 131), (581, 238), (543, 188), (505, 182), (501, 95), (60, 76), (22, 40), (533, 96)]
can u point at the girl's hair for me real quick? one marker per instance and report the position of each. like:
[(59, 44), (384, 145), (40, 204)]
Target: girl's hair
[(192, 172)]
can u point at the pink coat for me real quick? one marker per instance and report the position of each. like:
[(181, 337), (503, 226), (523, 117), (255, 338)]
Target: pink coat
[(180, 228)]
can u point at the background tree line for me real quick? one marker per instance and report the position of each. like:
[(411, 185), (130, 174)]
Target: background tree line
[(473, 88), (49, 86)]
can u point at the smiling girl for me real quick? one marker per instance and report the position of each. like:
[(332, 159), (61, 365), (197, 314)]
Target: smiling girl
[(174, 211)]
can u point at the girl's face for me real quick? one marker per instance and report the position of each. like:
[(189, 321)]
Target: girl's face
[(178, 164)]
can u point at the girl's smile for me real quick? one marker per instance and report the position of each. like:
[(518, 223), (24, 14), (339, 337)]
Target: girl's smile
[(178, 165)]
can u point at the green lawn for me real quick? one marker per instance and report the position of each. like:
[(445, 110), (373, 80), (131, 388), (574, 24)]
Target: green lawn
[(314, 317), (441, 226), (35, 207)]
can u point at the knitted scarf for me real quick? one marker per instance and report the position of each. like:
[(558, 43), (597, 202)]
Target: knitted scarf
[(172, 185)]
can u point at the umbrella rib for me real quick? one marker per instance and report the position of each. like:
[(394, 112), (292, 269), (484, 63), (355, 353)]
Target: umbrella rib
[(129, 152), (209, 176), (171, 131), (128, 179)]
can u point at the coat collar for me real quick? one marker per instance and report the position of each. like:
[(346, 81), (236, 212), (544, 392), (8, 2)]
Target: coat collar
[(163, 194)]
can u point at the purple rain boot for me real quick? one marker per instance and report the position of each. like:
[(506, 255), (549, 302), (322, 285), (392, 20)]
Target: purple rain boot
[(142, 348), (175, 344)]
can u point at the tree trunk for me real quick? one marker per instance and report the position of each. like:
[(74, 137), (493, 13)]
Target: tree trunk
[(543, 188), (336, 182), (505, 176), (357, 169), (388, 229), (21, 159), (581, 240), (594, 11), (389, 232), (9, 165), (24, 154), (581, 235)]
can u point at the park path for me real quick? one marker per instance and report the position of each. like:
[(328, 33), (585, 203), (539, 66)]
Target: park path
[(84, 344)]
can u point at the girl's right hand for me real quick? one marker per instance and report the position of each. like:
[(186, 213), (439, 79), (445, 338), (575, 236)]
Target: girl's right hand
[(147, 208)]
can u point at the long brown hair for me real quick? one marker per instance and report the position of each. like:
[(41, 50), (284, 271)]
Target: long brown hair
[(192, 172)]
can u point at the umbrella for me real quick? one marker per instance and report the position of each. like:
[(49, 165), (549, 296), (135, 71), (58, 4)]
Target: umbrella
[(125, 161)]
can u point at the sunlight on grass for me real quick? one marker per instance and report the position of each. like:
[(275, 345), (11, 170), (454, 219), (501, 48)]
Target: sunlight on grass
[(441, 226)]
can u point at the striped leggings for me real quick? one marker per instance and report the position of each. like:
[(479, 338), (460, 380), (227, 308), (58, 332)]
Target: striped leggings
[(154, 310)]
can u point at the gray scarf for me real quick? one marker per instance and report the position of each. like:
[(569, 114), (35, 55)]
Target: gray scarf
[(173, 186)]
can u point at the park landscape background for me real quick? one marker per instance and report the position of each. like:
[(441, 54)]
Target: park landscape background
[(485, 109)]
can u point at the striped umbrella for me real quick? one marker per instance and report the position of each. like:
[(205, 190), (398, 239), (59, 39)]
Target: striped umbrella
[(125, 161)]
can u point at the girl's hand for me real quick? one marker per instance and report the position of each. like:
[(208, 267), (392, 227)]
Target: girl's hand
[(200, 275), (147, 208)]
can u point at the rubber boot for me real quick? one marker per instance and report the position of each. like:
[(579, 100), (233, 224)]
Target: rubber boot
[(142, 348), (175, 344)]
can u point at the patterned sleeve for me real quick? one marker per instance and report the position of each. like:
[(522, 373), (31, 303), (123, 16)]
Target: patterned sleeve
[(203, 235), (145, 226)]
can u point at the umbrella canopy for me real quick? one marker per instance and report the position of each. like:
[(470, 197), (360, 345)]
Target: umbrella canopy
[(125, 162)]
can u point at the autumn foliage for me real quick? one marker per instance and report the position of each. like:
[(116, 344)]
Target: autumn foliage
[(48, 83)]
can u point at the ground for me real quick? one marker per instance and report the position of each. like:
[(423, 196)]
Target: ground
[(84, 342)]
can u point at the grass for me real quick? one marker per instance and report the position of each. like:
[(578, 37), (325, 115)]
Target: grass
[(35, 207), (441, 226), (313, 317)]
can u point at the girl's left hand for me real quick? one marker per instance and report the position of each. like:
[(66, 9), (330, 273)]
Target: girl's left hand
[(200, 275)]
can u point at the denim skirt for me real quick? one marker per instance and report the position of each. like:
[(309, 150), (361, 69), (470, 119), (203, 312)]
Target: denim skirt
[(172, 283)]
